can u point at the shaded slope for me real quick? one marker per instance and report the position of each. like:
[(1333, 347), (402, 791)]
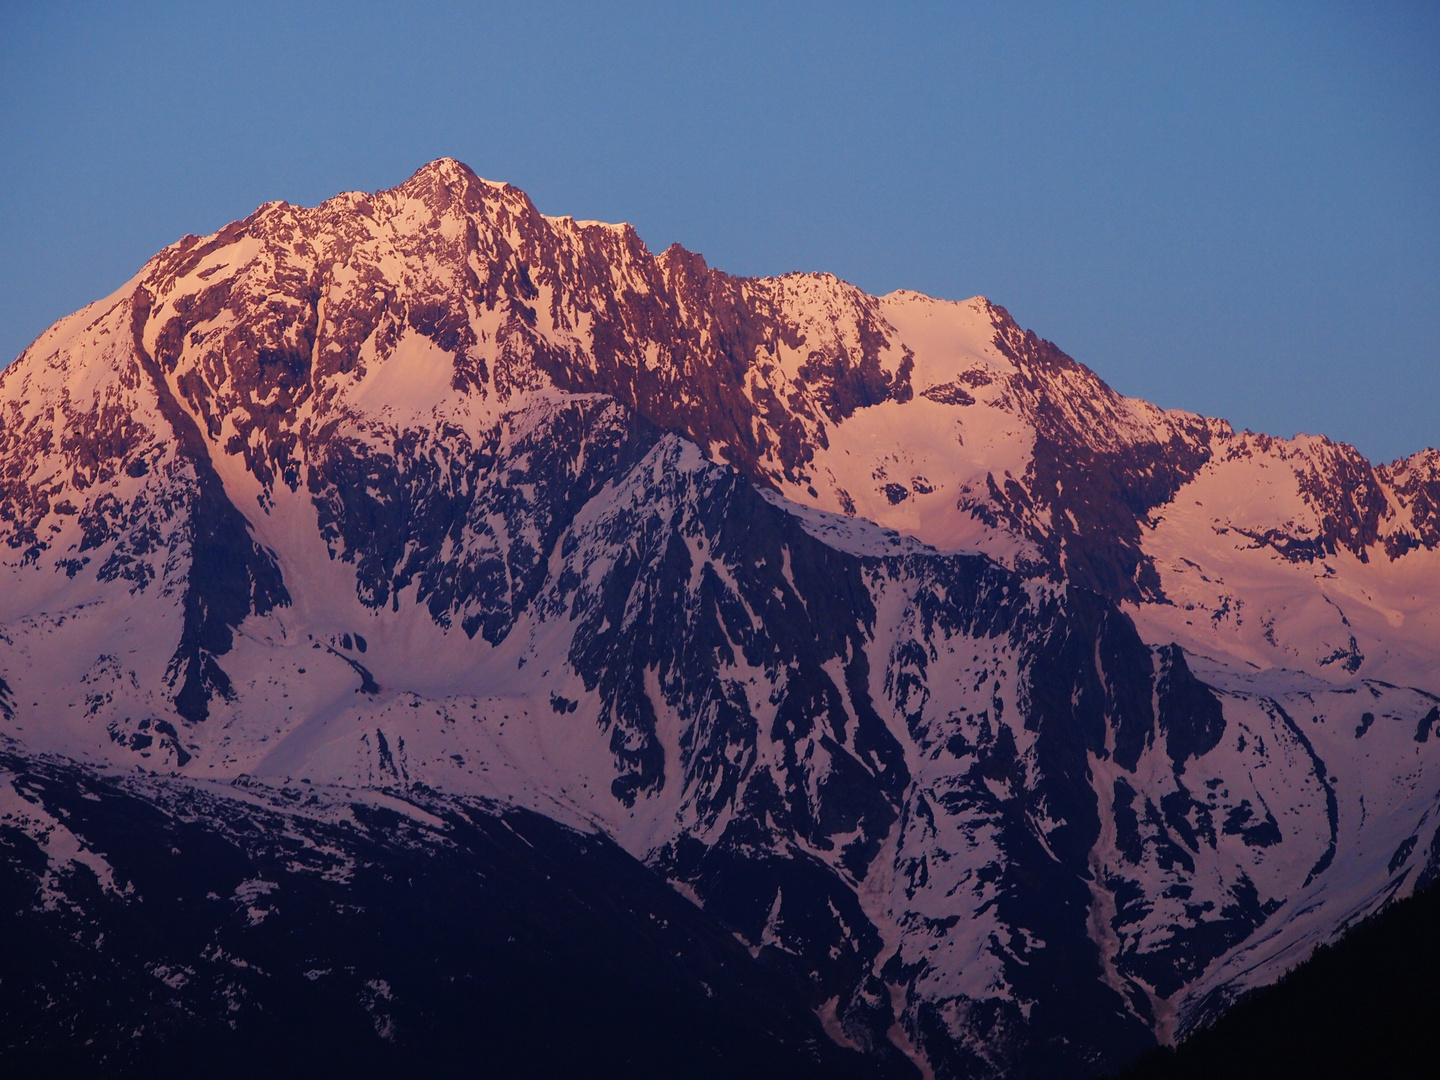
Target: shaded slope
[(226, 933), (1365, 1006)]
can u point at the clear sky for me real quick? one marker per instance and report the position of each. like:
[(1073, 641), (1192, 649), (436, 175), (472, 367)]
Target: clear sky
[(1230, 209)]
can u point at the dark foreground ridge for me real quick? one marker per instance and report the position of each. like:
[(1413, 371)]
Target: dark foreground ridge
[(1365, 1006), (276, 937)]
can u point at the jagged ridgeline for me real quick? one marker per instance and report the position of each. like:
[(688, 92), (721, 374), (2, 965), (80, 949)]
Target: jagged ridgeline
[(490, 640)]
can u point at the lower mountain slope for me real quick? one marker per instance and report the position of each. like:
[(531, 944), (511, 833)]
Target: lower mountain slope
[(205, 929), (1364, 1006)]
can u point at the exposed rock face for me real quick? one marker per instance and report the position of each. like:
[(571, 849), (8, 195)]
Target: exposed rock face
[(1010, 724)]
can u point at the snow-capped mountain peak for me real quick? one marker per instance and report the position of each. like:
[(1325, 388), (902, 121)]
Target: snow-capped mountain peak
[(1021, 722)]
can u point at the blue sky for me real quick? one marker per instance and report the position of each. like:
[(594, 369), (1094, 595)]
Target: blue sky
[(1230, 209)]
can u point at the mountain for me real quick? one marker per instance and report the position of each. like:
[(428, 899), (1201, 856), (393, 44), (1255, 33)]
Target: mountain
[(1009, 724)]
